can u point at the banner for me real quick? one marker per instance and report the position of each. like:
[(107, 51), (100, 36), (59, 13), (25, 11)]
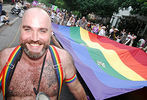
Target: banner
[(107, 67)]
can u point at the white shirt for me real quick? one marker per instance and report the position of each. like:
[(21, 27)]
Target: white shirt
[(53, 15), (111, 30), (129, 37), (2, 18), (102, 32), (18, 5)]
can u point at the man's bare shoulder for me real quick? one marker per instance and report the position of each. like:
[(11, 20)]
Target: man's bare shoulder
[(66, 61), (4, 55), (64, 55)]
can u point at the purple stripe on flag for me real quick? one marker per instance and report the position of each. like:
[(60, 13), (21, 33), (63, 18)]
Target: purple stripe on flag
[(98, 89)]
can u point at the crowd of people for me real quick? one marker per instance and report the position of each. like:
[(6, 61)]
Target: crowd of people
[(63, 17)]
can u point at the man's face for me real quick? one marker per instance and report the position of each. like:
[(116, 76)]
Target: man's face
[(83, 19), (35, 34)]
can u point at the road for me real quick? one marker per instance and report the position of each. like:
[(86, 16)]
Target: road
[(9, 37)]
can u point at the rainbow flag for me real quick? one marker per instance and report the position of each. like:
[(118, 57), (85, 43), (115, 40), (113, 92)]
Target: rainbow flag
[(107, 67)]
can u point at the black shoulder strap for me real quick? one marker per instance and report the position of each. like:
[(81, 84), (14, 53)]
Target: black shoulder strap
[(13, 66), (58, 68)]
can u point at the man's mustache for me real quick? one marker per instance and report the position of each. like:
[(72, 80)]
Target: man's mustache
[(33, 42)]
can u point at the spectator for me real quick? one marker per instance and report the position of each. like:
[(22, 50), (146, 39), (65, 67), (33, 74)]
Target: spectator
[(141, 43), (89, 26), (95, 29), (123, 32), (102, 31), (77, 22), (53, 16), (83, 23), (118, 39), (113, 34), (111, 30), (58, 17), (123, 37), (132, 39), (61, 19), (128, 39), (100, 27), (18, 6), (71, 21), (5, 18)]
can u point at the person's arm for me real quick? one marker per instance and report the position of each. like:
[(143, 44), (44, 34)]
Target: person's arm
[(76, 89), (74, 86), (3, 58), (4, 55)]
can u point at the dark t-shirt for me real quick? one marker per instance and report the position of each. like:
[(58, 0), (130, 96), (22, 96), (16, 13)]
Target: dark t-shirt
[(113, 35)]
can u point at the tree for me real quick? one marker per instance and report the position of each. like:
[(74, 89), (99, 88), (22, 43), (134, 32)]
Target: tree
[(139, 6), (106, 7), (99, 7)]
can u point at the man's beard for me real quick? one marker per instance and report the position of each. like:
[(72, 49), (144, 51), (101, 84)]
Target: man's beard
[(32, 55)]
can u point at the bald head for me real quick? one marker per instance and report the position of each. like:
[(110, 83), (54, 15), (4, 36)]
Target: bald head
[(35, 11), (35, 32), (33, 14)]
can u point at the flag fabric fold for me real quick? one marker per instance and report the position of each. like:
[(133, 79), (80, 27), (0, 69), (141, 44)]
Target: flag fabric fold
[(107, 67)]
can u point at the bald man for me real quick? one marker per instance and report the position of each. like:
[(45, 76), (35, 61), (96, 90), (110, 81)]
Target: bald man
[(34, 40)]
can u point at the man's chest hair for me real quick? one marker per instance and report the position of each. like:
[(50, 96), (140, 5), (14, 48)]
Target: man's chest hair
[(25, 79)]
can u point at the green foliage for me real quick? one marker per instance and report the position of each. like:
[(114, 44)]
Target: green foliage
[(106, 7), (139, 6), (99, 7), (60, 3), (30, 1), (46, 2)]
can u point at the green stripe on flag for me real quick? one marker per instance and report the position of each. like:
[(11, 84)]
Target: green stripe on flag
[(95, 54)]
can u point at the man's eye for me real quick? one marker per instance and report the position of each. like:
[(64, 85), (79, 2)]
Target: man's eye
[(43, 31), (27, 29)]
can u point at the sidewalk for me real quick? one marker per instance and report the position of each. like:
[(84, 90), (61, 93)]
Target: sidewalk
[(7, 8)]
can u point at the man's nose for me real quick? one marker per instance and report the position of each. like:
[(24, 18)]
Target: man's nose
[(34, 36)]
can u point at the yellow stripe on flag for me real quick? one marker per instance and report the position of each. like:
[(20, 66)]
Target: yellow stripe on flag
[(112, 58)]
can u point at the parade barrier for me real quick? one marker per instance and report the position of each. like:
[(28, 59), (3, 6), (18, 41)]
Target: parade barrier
[(108, 68)]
